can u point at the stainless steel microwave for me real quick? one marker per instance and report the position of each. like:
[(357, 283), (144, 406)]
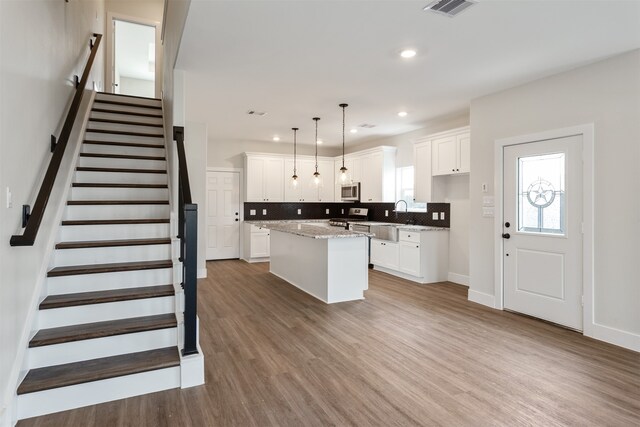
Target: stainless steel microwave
[(350, 192)]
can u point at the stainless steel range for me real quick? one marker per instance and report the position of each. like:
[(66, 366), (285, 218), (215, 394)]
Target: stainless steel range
[(355, 215)]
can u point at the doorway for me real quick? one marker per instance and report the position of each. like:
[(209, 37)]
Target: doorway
[(223, 215), (134, 59), (542, 229)]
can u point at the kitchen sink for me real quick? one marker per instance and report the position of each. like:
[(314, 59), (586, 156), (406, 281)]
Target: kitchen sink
[(385, 232)]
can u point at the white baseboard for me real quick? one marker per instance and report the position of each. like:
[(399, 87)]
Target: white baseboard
[(202, 273), (481, 298), (615, 336), (458, 278)]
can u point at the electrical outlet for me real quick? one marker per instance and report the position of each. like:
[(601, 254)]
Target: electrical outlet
[(441, 215), (264, 211), (342, 211), (386, 212), (9, 199), (252, 212), (434, 216), (299, 211), (327, 211)]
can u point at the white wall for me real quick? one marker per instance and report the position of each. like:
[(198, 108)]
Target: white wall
[(195, 147), (42, 45), (137, 87), (606, 94)]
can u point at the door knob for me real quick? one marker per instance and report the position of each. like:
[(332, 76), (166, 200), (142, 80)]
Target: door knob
[(237, 219), (236, 213), (506, 236), (507, 224)]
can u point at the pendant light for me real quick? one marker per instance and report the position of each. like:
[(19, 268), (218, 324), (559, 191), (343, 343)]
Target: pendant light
[(294, 177), (343, 169), (316, 174)]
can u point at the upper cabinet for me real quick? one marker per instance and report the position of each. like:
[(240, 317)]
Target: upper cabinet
[(451, 153), (264, 178), (374, 169), (422, 177)]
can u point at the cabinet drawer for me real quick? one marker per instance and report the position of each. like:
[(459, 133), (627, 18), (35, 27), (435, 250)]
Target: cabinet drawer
[(409, 236)]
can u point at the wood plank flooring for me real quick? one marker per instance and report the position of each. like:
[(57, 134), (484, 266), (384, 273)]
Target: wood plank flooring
[(407, 355)]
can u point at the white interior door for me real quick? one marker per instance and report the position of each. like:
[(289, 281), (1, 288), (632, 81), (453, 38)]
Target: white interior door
[(223, 215), (542, 230)]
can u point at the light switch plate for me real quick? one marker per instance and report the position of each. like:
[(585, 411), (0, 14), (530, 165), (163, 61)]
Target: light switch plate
[(386, 212), (434, 215), (488, 201), (488, 212), (441, 215), (327, 211), (299, 211), (484, 187), (264, 211), (342, 211), (252, 212), (9, 199)]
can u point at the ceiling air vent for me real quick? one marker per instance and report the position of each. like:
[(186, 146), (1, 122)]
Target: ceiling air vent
[(256, 113), (367, 126), (449, 8)]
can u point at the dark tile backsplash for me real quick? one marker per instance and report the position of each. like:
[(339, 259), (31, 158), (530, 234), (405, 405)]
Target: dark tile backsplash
[(336, 210)]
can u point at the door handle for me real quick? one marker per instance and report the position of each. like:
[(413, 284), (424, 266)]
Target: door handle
[(506, 235)]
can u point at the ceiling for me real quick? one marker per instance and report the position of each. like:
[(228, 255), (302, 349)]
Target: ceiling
[(132, 50), (300, 59)]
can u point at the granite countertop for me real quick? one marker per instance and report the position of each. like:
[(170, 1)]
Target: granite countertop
[(408, 227), (312, 231), (289, 221)]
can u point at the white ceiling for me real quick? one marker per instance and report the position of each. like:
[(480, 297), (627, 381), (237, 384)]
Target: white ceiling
[(132, 50), (300, 59)]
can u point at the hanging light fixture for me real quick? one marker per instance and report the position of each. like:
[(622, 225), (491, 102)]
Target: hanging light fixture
[(343, 169), (316, 174), (294, 177)]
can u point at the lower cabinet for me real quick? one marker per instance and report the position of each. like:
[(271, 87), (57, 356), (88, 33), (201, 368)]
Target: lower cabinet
[(420, 256), (256, 243)]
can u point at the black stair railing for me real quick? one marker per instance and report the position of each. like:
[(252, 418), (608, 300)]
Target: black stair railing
[(32, 221), (188, 234)]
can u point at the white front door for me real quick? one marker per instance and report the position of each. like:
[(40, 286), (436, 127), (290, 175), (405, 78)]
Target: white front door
[(542, 230), (223, 215)]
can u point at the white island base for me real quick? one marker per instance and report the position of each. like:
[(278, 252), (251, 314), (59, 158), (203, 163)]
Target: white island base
[(330, 269)]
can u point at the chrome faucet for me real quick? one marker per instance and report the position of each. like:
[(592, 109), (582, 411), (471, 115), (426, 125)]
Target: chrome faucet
[(406, 207)]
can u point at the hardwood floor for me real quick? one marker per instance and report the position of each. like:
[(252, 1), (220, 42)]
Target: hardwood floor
[(407, 355)]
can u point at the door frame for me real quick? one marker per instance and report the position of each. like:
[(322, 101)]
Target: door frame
[(240, 172), (587, 133), (110, 51)]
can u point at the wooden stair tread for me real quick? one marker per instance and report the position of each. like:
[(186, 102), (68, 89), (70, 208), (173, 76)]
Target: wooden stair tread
[(111, 243), (126, 96), (126, 113), (119, 170), (122, 144), (117, 185), (125, 132), (122, 156), (125, 122), (72, 270), (128, 104), (116, 221), (116, 202), (98, 369), (101, 297)]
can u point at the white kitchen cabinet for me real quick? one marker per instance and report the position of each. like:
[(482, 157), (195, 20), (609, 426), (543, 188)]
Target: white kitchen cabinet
[(256, 243), (264, 178), (326, 191), (451, 153), (306, 191), (384, 254), (423, 180), (375, 170)]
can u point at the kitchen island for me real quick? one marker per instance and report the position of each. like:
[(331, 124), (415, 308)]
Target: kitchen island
[(329, 263)]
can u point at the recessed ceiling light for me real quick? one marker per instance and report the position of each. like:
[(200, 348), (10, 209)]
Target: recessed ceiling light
[(402, 114), (319, 141), (276, 138), (354, 130), (408, 53)]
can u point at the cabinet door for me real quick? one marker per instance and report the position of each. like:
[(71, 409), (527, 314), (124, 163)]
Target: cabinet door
[(410, 258), (255, 173), (445, 156), (260, 245), (354, 166), (308, 191), (371, 183), (377, 252), (391, 255), (326, 191), (464, 153), (291, 193), (422, 180), (274, 179)]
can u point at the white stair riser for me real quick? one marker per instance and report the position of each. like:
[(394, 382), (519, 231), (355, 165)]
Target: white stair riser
[(126, 108), (99, 136), (77, 396), (78, 233), (86, 256), (115, 149), (108, 281), (110, 193), (69, 352), (125, 127), (121, 177), (66, 316), (128, 100), (116, 212), (127, 118), (110, 162)]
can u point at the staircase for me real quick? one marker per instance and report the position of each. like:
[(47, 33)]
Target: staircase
[(107, 327)]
